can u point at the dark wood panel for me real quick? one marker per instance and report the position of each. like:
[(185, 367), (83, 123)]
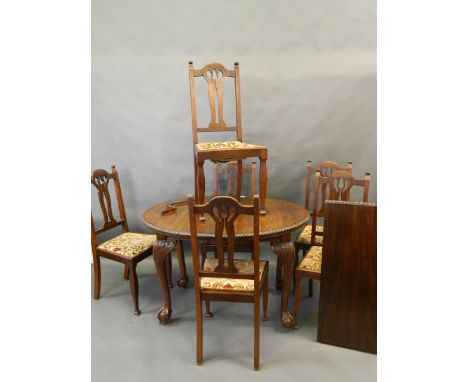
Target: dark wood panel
[(348, 289)]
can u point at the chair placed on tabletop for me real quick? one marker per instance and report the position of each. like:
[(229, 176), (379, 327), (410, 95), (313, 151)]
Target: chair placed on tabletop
[(128, 248), (339, 185), (309, 235), (233, 150), (225, 278)]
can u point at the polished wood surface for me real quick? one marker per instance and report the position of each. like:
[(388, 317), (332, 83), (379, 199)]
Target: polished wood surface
[(348, 288), (276, 226), (224, 211), (282, 217)]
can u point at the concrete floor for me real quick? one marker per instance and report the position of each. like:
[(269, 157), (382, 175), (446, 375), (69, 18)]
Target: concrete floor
[(136, 348)]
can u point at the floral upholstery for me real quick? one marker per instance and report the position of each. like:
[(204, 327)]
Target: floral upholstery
[(227, 145), (306, 235), (128, 244), (312, 261), (244, 267)]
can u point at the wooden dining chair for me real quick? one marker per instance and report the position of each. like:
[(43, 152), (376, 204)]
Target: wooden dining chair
[(339, 184), (309, 235), (225, 278), (232, 150), (128, 248)]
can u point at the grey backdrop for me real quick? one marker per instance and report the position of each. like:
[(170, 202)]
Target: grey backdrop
[(308, 88)]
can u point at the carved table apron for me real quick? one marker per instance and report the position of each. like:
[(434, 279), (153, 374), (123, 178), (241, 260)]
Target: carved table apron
[(276, 226)]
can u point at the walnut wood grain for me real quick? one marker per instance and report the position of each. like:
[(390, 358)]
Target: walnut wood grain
[(283, 217), (348, 288)]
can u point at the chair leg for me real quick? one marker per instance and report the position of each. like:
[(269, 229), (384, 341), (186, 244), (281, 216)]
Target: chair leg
[(265, 298), (97, 277), (257, 332), (183, 279), (263, 183), (201, 186), (239, 180), (199, 329), (203, 251), (311, 287), (201, 183), (134, 288), (126, 272), (208, 308), (195, 177), (297, 298)]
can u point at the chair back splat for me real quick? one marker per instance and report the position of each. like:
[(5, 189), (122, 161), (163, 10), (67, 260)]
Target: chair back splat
[(341, 182), (325, 169), (214, 75), (100, 179), (225, 210)]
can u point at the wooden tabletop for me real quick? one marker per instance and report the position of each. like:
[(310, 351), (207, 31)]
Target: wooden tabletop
[(282, 217)]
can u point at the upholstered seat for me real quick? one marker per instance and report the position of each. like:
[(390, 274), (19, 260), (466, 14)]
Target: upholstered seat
[(244, 267), (312, 261), (306, 235), (128, 244), (227, 145)]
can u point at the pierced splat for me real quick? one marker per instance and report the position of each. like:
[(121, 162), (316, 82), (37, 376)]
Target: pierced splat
[(214, 75), (324, 170), (224, 210), (100, 180), (341, 182), (224, 216), (340, 185)]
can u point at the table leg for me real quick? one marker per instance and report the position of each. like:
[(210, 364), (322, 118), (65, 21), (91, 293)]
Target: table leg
[(183, 279), (285, 250), (161, 250), (279, 273)]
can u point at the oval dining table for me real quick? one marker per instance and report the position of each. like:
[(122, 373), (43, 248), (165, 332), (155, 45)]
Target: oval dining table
[(170, 220)]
